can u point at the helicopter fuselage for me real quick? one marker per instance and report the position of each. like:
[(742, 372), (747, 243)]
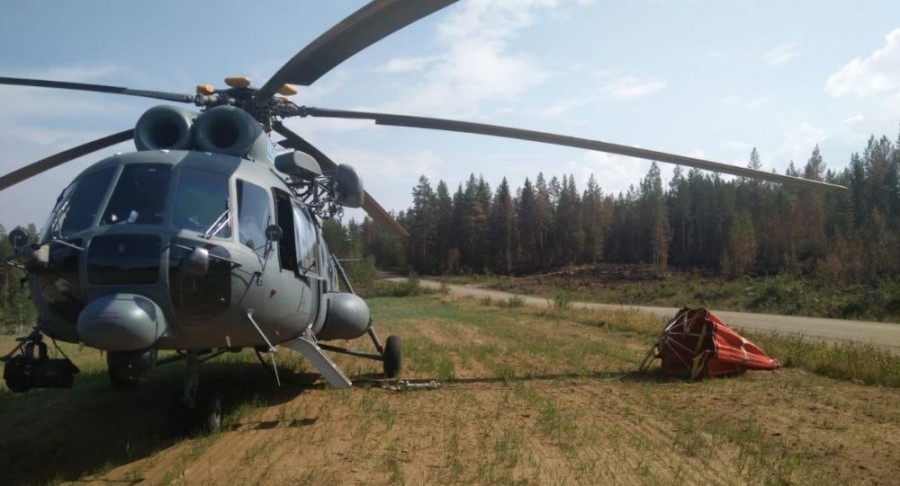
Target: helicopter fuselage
[(117, 274)]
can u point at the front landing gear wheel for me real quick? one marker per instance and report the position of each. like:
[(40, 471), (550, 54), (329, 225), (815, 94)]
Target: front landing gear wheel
[(209, 413), (204, 417), (392, 356)]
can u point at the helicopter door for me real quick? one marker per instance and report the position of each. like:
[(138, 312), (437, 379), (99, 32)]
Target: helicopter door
[(307, 243), (287, 245)]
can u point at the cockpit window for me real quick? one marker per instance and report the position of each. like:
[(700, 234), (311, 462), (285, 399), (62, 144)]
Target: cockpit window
[(139, 196), (202, 203), (254, 215), (78, 205)]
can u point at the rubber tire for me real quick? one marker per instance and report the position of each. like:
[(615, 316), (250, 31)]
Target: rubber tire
[(208, 413), (393, 356)]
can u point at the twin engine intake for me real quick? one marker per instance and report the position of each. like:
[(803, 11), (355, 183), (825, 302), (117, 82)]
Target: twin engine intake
[(223, 129)]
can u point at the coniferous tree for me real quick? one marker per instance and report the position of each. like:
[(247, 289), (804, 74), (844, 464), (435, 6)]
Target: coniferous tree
[(528, 225), (594, 222), (569, 230), (446, 236), (502, 229)]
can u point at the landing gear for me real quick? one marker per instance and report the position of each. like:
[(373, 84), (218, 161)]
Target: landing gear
[(194, 410), (392, 356), (389, 354), (127, 367)]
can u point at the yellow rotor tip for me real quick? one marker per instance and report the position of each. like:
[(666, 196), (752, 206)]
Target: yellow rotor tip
[(237, 81), (288, 90)]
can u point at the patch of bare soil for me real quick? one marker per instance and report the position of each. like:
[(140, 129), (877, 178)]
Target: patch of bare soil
[(531, 399)]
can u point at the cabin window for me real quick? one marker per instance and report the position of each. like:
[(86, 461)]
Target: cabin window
[(287, 248), (254, 215), (139, 196), (78, 205), (307, 240), (202, 203)]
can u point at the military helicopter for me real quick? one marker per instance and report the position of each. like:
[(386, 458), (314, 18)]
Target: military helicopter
[(207, 240)]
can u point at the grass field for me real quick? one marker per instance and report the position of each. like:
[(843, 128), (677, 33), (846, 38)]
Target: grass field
[(527, 396), (661, 286)]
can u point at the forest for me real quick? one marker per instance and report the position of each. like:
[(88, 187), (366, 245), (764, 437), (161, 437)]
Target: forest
[(698, 220)]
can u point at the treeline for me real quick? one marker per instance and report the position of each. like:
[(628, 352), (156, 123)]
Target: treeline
[(16, 309), (698, 220)]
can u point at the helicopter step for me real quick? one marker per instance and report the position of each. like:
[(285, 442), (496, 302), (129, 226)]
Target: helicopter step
[(311, 351)]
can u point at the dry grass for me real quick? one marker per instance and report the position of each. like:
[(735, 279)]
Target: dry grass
[(528, 396)]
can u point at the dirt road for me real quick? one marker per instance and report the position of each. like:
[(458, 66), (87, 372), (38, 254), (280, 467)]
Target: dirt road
[(882, 334)]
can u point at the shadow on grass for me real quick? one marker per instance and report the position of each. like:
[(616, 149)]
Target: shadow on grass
[(65, 435), (650, 376)]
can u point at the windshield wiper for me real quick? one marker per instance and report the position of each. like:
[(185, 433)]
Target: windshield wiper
[(218, 225)]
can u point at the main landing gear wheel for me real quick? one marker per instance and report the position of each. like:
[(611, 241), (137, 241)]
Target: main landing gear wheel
[(392, 356)]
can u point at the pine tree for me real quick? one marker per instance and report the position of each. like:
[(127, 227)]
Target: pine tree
[(502, 231), (593, 221)]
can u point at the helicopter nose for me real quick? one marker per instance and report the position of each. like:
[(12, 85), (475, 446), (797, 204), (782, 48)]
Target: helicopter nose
[(121, 322)]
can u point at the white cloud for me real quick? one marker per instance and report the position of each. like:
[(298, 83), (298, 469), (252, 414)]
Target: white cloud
[(407, 64), (780, 55), (627, 87), (475, 65), (873, 75), (758, 103), (797, 146)]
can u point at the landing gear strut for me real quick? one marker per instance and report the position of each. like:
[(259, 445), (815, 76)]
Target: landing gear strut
[(389, 354), (194, 409)]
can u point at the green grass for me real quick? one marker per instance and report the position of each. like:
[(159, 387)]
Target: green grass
[(863, 363), (781, 294)]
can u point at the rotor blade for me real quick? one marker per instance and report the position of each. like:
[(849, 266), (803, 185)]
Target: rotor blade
[(361, 29), (99, 88), (55, 160), (370, 205), (568, 141)]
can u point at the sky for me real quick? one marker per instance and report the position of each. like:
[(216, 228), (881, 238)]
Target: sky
[(706, 78)]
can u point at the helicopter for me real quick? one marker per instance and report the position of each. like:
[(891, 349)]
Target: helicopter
[(207, 238)]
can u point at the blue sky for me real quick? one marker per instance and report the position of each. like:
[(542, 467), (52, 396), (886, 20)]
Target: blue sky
[(706, 78)]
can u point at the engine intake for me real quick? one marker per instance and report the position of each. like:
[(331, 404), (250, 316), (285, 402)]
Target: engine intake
[(164, 127), (230, 130)]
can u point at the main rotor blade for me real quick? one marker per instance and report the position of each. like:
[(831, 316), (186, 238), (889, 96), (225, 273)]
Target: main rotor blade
[(56, 160), (99, 88), (568, 141), (361, 29), (370, 205)]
